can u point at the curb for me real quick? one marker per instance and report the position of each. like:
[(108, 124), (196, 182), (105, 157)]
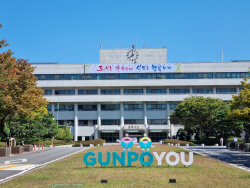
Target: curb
[(37, 167), (242, 168)]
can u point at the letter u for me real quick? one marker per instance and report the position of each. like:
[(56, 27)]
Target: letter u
[(100, 159)]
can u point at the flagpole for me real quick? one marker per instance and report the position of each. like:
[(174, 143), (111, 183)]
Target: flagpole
[(57, 111)]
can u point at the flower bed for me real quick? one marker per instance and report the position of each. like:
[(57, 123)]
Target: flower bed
[(17, 150), (4, 152), (182, 143)]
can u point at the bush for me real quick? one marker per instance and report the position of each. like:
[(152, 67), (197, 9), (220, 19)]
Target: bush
[(231, 139), (182, 143), (87, 143)]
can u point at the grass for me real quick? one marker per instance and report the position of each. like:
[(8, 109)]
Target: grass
[(204, 172)]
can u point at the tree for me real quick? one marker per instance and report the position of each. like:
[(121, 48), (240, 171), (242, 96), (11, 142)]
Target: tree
[(64, 133), (19, 93), (197, 112), (240, 105), (33, 130)]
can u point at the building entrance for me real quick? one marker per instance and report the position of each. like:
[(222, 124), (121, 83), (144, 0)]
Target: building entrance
[(157, 136), (110, 136), (137, 135)]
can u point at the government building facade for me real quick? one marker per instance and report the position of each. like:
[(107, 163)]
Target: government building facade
[(131, 91)]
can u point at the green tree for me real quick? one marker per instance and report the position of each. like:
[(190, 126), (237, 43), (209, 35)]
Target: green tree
[(64, 133), (19, 93), (197, 112), (33, 130), (240, 105)]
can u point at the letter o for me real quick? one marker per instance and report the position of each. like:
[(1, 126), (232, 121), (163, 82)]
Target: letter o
[(177, 158)]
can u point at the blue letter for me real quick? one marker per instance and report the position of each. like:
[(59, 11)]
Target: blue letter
[(100, 159), (150, 159), (93, 160), (120, 159), (130, 159)]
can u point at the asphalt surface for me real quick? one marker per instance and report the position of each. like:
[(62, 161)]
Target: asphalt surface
[(33, 159), (235, 158)]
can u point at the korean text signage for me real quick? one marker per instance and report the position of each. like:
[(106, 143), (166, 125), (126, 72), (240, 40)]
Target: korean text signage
[(145, 143), (132, 68)]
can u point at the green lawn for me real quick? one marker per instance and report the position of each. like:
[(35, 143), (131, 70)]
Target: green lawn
[(204, 172)]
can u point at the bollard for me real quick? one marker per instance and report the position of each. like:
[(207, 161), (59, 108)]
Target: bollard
[(202, 145), (38, 146), (169, 144), (187, 144), (34, 146), (42, 145), (246, 148)]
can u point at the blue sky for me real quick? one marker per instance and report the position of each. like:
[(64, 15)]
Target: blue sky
[(71, 31)]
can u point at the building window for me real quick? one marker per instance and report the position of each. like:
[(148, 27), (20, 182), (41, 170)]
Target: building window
[(133, 91), (133, 121), (47, 92), (66, 122), (156, 91), (173, 106), (133, 107), (110, 107), (70, 122), (65, 107), (49, 107), (64, 92), (173, 91), (208, 91), (87, 107), (157, 121), (83, 122), (110, 122), (87, 92), (110, 92), (225, 90), (156, 106), (241, 89)]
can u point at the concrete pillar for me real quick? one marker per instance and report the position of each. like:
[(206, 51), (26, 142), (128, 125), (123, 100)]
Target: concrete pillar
[(214, 90), (53, 91), (190, 90), (171, 130), (95, 132), (121, 121), (145, 117), (53, 108), (168, 109), (99, 91), (76, 122), (121, 91), (99, 114), (167, 90), (237, 89), (76, 91), (144, 90)]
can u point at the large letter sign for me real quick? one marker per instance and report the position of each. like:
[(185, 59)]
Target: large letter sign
[(145, 143)]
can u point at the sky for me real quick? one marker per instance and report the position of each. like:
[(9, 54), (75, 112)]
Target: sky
[(71, 31)]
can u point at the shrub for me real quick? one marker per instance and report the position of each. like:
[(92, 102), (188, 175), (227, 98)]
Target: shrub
[(231, 139), (87, 143), (182, 143)]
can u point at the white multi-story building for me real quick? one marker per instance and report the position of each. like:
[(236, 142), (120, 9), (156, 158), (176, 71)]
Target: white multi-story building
[(131, 91)]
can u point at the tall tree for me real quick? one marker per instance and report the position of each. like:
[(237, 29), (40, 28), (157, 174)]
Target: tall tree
[(240, 105), (19, 93), (197, 112)]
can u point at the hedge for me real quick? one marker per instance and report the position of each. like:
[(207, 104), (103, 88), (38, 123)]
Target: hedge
[(182, 143), (87, 143)]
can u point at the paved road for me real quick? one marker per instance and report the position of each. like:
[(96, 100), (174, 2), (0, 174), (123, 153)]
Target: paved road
[(26, 161), (236, 158)]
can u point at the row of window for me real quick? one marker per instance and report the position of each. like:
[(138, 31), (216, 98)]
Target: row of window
[(111, 107), (113, 122), (209, 75), (140, 91)]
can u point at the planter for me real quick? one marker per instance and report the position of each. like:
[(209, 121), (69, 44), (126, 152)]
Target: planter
[(232, 145), (28, 148), (4, 152), (17, 150)]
